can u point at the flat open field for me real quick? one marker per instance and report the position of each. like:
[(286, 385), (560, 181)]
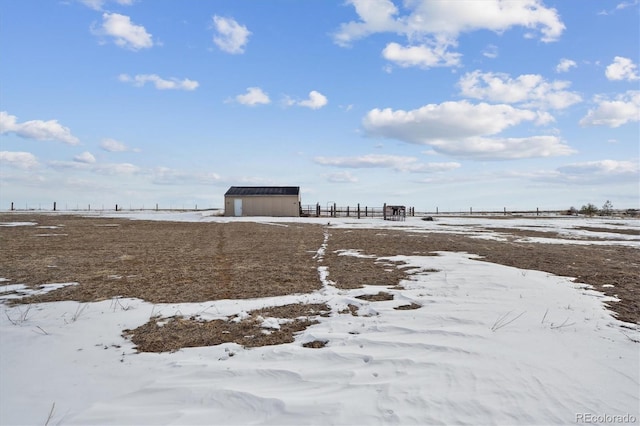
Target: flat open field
[(189, 318), (174, 262)]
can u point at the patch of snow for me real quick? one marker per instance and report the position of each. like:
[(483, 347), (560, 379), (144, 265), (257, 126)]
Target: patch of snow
[(17, 291), (11, 287), (354, 253), (270, 322)]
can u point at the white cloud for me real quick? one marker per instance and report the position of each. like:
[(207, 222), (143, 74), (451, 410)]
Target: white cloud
[(88, 163), (254, 96), (36, 129), (76, 165), (316, 100), (112, 145), (395, 162), (369, 161), (622, 69), (565, 65), (342, 177), (98, 4), (626, 4), (448, 120), (437, 167), (21, 160), (118, 169), (231, 37), (620, 6), (494, 15), (167, 176), (625, 108), (530, 90), (602, 167), (437, 24), (504, 148), (422, 56), (126, 34), (161, 84), (86, 158), (491, 51), (375, 15), (461, 129), (592, 173)]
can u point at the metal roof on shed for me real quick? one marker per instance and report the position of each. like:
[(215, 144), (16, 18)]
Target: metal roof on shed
[(263, 190)]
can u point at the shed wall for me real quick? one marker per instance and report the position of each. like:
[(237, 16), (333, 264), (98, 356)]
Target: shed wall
[(267, 205)]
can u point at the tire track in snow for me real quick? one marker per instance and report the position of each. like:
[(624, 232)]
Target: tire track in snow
[(323, 271)]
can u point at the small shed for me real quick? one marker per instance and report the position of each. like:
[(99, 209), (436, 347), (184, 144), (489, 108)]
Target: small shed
[(262, 201)]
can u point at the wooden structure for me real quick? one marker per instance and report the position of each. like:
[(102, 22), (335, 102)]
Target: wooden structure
[(262, 201), (394, 212)]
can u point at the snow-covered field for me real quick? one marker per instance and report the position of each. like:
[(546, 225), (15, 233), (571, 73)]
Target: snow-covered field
[(490, 345)]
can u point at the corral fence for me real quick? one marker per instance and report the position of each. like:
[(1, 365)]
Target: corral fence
[(387, 212)]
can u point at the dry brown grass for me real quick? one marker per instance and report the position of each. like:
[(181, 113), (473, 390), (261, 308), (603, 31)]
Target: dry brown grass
[(160, 261), (170, 334), (195, 262), (316, 344), (381, 296), (411, 306)]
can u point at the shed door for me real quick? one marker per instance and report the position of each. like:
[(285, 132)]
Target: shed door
[(237, 206)]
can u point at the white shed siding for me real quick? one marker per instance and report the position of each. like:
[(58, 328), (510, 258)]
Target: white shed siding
[(263, 205)]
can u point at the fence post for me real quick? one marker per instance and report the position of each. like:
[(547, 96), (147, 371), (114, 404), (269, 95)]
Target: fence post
[(470, 210), (505, 211), (335, 212), (116, 207), (537, 211), (384, 211), (358, 210), (347, 211), (12, 206), (54, 206)]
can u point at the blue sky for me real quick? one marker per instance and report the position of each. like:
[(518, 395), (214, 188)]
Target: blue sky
[(451, 104)]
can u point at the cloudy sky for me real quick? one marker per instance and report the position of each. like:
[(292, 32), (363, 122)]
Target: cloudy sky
[(450, 104)]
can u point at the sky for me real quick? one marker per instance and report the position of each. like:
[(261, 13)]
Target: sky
[(459, 104)]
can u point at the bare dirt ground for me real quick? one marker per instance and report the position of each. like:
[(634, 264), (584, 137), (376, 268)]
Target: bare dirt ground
[(174, 262)]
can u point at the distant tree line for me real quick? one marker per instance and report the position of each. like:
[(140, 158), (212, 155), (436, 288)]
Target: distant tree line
[(591, 209)]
